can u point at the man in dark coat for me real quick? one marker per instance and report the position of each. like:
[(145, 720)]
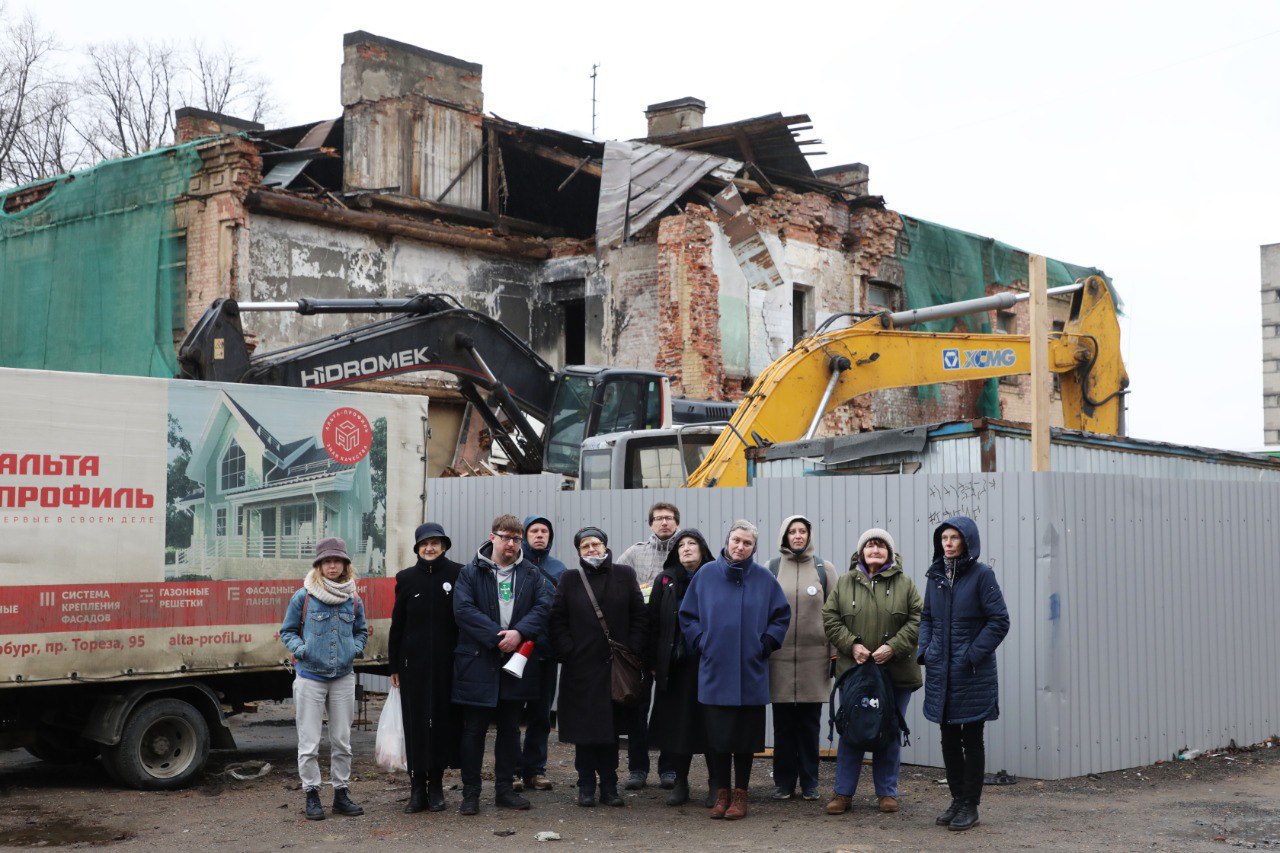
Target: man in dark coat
[(421, 643), (963, 621), (588, 717), (500, 602), (531, 771)]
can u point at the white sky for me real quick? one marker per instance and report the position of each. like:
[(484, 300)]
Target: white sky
[(1138, 137)]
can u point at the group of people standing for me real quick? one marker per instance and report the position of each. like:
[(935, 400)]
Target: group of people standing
[(721, 636)]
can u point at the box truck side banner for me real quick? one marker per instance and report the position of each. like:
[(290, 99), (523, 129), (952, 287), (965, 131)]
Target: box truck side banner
[(172, 520)]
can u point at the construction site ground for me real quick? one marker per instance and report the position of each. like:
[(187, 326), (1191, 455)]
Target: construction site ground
[(1214, 802)]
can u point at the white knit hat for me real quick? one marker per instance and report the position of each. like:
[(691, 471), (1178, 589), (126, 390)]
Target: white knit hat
[(882, 535)]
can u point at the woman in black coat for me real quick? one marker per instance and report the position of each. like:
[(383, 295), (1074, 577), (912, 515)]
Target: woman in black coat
[(587, 714), (676, 725), (422, 639)]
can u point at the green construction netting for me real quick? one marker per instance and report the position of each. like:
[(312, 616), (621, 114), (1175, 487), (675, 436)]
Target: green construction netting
[(92, 276), (941, 264)]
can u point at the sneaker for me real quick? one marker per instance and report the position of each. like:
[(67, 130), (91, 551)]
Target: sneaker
[(811, 795), (636, 780), (517, 784), (539, 783), (667, 780), (511, 800), (781, 794)]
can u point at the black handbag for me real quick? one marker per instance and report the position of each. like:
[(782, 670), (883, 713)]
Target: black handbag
[(626, 669)]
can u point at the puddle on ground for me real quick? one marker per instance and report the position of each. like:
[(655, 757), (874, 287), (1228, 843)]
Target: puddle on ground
[(58, 832)]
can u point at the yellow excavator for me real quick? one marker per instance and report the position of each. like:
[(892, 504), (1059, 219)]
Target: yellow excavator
[(788, 400), (791, 396)]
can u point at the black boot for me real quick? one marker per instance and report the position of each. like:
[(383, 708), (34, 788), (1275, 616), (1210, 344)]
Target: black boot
[(510, 800), (712, 791), (949, 815), (966, 818), (470, 801), (315, 811), (435, 796), (586, 796), (342, 804), (609, 796), (679, 792), (417, 798)]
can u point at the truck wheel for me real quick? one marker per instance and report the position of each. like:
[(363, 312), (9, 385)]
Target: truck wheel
[(163, 746), (62, 748)]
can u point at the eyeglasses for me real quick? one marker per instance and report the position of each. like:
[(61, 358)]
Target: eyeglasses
[(664, 518), (506, 538)]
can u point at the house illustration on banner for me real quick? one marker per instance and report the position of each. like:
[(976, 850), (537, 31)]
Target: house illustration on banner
[(264, 502)]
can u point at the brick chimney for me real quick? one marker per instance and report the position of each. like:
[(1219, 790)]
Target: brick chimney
[(851, 176), (412, 119), (190, 123), (675, 116)]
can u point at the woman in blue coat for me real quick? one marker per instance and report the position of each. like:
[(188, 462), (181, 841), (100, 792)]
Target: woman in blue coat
[(734, 615), (963, 622)]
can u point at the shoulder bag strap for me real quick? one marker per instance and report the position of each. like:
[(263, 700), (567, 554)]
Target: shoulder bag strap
[(586, 582)]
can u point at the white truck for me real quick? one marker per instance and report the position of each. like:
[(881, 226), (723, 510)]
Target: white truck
[(151, 534)]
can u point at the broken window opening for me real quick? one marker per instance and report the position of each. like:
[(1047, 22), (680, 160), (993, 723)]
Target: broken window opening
[(575, 331)]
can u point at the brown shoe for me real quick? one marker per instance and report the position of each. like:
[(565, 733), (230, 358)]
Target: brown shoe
[(888, 805), (738, 808), (540, 783), (722, 804), (839, 804)]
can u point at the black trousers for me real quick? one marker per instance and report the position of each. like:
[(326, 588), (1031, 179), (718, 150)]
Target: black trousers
[(965, 757), (593, 760), (638, 737), (720, 763), (795, 744), (506, 749)]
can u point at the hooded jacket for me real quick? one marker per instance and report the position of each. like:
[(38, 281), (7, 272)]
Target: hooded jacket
[(963, 621), (800, 671), (734, 615), (478, 678), (883, 610), (666, 642), (552, 569)]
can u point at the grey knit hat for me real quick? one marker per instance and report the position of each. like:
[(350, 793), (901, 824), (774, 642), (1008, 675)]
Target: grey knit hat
[(882, 535)]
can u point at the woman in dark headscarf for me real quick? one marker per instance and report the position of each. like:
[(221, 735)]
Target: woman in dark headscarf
[(675, 726), (422, 640), (734, 615)]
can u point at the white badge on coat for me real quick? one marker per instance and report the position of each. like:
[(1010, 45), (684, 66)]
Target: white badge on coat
[(813, 590), (447, 587)]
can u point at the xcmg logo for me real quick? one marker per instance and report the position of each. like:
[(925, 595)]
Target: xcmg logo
[(955, 359)]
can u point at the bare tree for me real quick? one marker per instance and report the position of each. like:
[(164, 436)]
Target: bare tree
[(129, 96), (225, 82), (34, 106)]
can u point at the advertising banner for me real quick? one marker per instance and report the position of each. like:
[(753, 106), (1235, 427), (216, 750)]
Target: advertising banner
[(151, 527)]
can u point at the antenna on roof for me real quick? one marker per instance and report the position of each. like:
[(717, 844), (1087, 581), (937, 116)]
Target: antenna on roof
[(593, 97)]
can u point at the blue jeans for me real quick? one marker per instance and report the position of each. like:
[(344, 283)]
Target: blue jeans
[(533, 758), (884, 763)]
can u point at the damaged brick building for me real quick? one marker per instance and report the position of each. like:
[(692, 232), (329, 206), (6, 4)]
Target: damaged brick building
[(701, 251)]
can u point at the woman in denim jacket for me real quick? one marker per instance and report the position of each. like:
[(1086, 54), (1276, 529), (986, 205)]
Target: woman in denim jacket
[(325, 632)]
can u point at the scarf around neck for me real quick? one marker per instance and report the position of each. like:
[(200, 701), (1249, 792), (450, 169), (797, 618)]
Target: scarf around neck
[(327, 591)]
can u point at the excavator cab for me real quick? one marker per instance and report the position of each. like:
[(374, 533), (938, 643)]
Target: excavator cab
[(591, 401)]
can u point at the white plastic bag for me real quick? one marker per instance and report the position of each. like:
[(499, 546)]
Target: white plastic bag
[(389, 749)]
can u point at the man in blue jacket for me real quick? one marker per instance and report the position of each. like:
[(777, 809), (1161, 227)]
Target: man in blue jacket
[(531, 770), (501, 601)]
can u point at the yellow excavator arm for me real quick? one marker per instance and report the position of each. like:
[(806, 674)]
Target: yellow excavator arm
[(830, 368)]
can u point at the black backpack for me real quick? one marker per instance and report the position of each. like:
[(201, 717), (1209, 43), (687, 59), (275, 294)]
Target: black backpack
[(867, 718)]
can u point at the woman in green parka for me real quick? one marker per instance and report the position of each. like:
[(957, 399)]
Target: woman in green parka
[(874, 614)]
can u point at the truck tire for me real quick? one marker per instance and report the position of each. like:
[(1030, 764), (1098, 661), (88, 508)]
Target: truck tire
[(164, 746), (62, 748)]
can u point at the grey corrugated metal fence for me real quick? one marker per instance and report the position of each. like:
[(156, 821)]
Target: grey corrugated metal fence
[(1142, 608)]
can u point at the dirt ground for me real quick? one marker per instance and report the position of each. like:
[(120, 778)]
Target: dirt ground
[(1207, 804)]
